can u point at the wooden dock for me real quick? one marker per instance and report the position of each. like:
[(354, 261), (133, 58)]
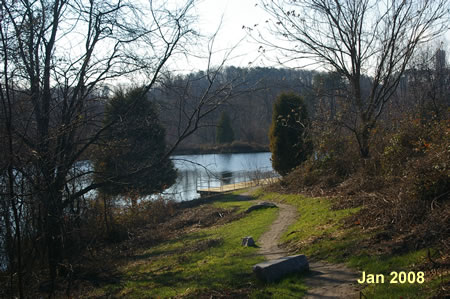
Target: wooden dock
[(236, 186)]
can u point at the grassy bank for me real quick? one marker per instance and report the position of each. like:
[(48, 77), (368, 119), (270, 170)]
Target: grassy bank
[(207, 261), (326, 232)]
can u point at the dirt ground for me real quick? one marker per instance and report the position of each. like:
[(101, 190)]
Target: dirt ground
[(324, 280), (268, 242)]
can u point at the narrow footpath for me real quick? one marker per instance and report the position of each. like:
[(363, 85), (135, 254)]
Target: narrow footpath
[(324, 280), (268, 242)]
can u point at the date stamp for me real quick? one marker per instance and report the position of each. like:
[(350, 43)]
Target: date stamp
[(394, 277)]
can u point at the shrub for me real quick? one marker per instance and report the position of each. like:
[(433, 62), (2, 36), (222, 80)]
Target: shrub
[(403, 145), (430, 172), (132, 158), (289, 142)]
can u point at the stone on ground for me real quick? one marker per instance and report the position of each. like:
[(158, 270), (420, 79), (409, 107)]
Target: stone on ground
[(274, 270), (248, 242)]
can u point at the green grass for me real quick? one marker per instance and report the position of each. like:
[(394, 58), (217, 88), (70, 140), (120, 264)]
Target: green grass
[(211, 261), (235, 200), (318, 226), (205, 261), (385, 264), (291, 286), (320, 233)]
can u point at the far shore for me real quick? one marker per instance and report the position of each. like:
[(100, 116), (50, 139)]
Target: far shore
[(229, 148)]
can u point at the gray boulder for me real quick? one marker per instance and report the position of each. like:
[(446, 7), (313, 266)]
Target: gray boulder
[(248, 242), (261, 205), (274, 270)]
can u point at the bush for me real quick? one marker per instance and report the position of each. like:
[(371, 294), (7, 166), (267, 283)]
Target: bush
[(336, 155), (402, 146), (289, 142), (132, 157), (148, 212), (430, 172), (124, 218), (418, 153), (403, 187)]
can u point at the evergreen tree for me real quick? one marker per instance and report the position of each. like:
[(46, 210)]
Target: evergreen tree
[(133, 162), (288, 142), (224, 133)]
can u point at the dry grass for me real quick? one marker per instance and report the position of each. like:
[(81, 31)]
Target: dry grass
[(403, 189), (98, 265)]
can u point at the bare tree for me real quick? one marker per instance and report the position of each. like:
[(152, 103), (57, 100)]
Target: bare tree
[(55, 57), (426, 88), (356, 39), (58, 59)]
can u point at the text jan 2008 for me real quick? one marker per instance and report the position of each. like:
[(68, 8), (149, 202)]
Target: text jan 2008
[(394, 278)]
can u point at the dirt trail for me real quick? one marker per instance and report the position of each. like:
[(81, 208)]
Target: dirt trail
[(268, 242), (331, 281), (324, 280)]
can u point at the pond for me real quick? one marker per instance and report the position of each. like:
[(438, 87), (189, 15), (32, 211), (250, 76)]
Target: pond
[(214, 170)]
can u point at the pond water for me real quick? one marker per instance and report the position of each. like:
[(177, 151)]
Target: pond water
[(214, 170)]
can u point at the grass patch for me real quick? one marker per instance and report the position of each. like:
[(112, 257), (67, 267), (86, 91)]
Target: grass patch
[(319, 230), (385, 264), (235, 200), (320, 233), (291, 286), (211, 262), (203, 262)]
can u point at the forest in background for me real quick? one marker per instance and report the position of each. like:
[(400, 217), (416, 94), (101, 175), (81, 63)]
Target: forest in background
[(250, 109), (422, 92), (379, 121)]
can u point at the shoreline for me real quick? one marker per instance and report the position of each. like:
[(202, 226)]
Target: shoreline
[(233, 148)]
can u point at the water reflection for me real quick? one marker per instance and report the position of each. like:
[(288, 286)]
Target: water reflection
[(206, 171)]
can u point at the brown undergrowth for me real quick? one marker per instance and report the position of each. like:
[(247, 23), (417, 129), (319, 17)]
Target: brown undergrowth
[(98, 265), (402, 189)]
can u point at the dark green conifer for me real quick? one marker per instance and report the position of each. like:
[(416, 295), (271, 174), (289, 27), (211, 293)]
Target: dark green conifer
[(131, 160), (289, 143)]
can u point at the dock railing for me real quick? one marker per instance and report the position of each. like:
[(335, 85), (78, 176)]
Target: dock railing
[(228, 181)]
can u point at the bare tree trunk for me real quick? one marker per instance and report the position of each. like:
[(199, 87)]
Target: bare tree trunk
[(51, 199), (105, 212), (363, 138), (19, 247)]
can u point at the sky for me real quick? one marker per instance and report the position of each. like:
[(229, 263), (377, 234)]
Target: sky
[(228, 17), (231, 16), (234, 14)]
